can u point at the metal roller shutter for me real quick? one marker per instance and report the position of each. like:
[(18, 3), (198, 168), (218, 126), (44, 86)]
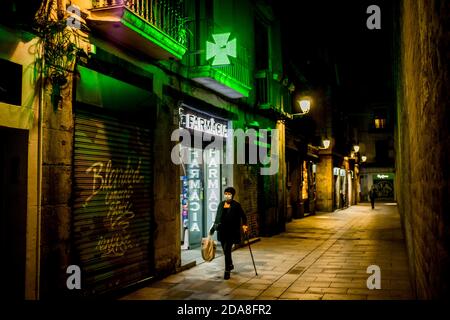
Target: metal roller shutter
[(112, 202)]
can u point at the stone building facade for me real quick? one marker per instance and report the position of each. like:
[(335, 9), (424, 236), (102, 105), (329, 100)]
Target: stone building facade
[(96, 136), (423, 143)]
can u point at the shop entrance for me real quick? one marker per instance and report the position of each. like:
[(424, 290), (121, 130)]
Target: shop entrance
[(204, 176), (13, 209), (112, 182), (200, 197)]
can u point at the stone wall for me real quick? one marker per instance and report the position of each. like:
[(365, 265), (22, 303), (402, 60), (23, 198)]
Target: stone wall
[(324, 184), (58, 129), (246, 185), (166, 198), (423, 142)]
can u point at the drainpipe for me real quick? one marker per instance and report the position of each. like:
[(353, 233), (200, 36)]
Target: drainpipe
[(39, 175)]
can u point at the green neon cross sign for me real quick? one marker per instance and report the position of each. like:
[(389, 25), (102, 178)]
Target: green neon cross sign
[(221, 49)]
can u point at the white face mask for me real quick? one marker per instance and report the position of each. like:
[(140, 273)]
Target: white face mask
[(228, 197)]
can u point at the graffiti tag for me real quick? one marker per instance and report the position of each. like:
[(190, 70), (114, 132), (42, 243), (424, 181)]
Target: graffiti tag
[(118, 185)]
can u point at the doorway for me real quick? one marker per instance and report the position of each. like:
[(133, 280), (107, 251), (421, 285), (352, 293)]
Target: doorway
[(202, 184), (13, 209)]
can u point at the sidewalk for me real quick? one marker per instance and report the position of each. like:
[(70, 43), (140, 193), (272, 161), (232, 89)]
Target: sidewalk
[(321, 257)]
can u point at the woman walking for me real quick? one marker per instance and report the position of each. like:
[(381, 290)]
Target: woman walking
[(228, 226)]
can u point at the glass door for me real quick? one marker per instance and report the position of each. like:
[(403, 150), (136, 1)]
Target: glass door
[(195, 174), (212, 182)]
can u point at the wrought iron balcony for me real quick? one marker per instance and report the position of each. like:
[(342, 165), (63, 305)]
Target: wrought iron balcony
[(155, 27), (271, 94)]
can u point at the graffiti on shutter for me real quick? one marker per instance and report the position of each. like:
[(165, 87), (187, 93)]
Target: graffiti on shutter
[(112, 178)]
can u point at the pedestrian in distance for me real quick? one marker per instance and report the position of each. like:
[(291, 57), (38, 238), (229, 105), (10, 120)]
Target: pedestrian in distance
[(372, 196), (228, 226), (342, 195)]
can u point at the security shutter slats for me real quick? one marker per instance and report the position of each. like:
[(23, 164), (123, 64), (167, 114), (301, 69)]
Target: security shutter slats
[(96, 264), (102, 136), (98, 205), (89, 233), (82, 168), (94, 233), (102, 145), (111, 201)]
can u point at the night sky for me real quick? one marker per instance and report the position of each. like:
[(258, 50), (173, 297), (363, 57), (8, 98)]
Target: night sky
[(326, 38)]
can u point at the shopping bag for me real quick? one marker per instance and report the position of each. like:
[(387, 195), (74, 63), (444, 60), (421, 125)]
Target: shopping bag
[(208, 248)]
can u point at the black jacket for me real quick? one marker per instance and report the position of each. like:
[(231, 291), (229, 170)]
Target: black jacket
[(228, 222)]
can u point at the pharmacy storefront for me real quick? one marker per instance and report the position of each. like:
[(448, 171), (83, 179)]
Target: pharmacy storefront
[(204, 173)]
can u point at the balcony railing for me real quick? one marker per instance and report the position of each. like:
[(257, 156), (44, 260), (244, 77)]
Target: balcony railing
[(233, 80), (166, 15), (240, 68), (270, 93)]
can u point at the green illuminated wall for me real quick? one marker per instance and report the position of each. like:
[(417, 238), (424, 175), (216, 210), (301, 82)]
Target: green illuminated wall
[(237, 18), (218, 17)]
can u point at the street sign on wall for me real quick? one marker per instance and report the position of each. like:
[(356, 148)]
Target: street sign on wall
[(384, 176)]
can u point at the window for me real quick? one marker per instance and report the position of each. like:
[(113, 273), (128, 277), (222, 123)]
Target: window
[(262, 46), (10, 82), (380, 123), (380, 119), (262, 63)]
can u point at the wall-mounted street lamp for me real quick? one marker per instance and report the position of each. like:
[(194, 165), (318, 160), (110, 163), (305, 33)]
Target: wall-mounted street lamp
[(326, 143), (356, 148), (363, 158), (305, 106)]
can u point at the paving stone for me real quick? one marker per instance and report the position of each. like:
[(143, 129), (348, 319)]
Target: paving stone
[(331, 296), (297, 289), (272, 293), (327, 290), (310, 296), (318, 257)]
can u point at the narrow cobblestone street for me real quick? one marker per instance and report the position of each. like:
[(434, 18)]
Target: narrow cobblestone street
[(321, 257)]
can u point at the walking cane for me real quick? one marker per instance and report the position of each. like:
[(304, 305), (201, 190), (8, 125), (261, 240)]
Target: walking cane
[(251, 253)]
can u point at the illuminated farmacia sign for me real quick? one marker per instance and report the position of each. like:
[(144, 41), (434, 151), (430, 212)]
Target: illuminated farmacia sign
[(197, 123), (221, 49)]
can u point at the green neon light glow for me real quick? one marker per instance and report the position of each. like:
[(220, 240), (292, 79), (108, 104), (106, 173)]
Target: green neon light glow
[(103, 91), (261, 144), (254, 123), (146, 30), (219, 76), (221, 49)]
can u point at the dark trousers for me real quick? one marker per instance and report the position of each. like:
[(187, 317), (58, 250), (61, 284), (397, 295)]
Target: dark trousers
[(372, 201), (342, 201), (227, 246)]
